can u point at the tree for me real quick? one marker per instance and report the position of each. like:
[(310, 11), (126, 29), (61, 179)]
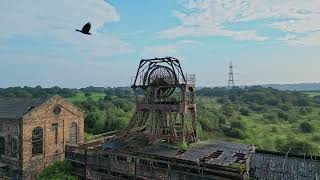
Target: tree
[(306, 127), (87, 94), (244, 111), (228, 110), (295, 146)]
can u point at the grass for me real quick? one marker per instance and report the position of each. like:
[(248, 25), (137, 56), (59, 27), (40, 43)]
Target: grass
[(312, 93), (264, 134), (80, 96)]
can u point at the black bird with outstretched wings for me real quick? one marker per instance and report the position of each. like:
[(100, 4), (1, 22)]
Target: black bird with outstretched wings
[(86, 28)]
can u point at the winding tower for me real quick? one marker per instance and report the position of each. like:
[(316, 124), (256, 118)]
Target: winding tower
[(165, 102)]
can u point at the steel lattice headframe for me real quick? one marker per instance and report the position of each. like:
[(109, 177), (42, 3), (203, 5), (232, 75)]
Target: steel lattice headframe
[(165, 102)]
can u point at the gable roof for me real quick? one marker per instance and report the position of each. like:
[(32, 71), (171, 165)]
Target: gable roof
[(15, 108)]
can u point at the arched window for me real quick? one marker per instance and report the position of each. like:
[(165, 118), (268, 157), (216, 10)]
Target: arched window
[(73, 133), (37, 141)]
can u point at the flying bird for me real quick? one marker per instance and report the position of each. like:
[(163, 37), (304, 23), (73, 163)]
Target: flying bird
[(86, 28)]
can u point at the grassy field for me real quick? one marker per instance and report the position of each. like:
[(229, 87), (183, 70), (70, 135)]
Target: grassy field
[(312, 93), (80, 96), (264, 134)]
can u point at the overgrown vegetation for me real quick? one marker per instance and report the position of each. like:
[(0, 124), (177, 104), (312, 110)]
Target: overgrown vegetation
[(269, 118), (57, 171)]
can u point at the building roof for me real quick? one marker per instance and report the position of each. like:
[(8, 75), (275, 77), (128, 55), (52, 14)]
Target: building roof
[(15, 108), (222, 153)]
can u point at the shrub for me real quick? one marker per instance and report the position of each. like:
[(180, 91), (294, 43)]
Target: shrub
[(316, 137), (274, 129), (234, 132), (183, 146), (238, 124), (56, 171), (206, 124), (228, 110), (293, 117), (244, 111), (303, 111), (297, 146), (306, 127), (271, 117), (221, 119), (283, 115)]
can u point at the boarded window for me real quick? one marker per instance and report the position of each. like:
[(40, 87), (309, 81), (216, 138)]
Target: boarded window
[(55, 129), (73, 133), (14, 147), (37, 141), (2, 145)]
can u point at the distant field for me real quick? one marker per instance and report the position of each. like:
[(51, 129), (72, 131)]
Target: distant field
[(80, 96), (312, 93)]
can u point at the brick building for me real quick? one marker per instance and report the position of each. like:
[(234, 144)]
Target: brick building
[(33, 133)]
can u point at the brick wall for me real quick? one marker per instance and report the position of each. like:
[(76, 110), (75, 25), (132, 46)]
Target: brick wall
[(53, 149), (9, 130)]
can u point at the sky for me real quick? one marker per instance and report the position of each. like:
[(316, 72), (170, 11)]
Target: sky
[(269, 41)]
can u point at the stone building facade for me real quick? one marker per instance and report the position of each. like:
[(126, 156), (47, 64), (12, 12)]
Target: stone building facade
[(34, 133)]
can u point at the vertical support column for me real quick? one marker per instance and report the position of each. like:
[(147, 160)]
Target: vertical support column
[(194, 126), (85, 162), (183, 128), (135, 168), (183, 113), (169, 171)]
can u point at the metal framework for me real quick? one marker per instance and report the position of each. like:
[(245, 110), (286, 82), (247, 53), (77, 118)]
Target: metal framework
[(231, 80), (165, 102)]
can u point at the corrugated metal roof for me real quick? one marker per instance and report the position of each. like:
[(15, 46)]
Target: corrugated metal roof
[(270, 166), (14, 108)]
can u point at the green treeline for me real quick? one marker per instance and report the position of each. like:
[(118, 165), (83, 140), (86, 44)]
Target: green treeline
[(269, 118)]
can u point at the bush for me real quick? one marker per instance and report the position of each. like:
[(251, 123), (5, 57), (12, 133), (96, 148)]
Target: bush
[(274, 129), (297, 146), (283, 115), (234, 132), (238, 124), (221, 118), (206, 124), (316, 138), (303, 111), (306, 127), (183, 146), (56, 171), (228, 110), (293, 118), (244, 111), (271, 117)]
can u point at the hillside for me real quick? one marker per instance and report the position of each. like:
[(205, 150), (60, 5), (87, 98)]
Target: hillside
[(295, 87), (269, 118)]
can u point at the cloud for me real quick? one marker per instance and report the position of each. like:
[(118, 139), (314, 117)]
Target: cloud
[(310, 40), (54, 24), (168, 49), (212, 17)]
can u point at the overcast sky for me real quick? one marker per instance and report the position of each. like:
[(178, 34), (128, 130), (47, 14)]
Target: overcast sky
[(270, 41)]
